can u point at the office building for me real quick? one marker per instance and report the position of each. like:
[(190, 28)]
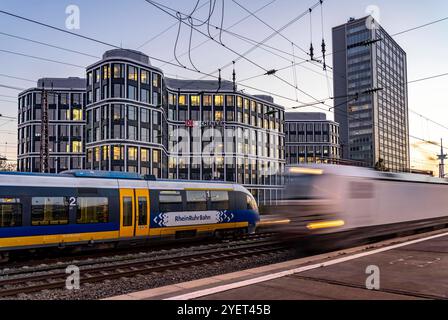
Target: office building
[(66, 102), (311, 138), (374, 126), (138, 120)]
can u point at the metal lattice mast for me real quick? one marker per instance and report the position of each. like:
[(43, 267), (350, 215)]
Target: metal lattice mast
[(44, 137), (442, 156)]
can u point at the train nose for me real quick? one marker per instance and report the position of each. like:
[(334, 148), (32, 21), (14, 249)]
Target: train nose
[(302, 217)]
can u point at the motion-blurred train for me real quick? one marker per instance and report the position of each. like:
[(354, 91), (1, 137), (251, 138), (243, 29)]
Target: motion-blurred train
[(92, 208), (324, 199)]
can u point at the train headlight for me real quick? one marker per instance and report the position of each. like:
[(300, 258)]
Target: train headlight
[(306, 170), (325, 224)]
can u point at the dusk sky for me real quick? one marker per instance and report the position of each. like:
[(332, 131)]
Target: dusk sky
[(132, 23)]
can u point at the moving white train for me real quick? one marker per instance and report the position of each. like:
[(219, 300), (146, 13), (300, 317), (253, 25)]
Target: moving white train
[(327, 199)]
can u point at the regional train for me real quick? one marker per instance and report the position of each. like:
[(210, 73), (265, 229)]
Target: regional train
[(356, 202), (102, 209)]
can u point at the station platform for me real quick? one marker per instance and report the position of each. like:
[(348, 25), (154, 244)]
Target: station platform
[(413, 267)]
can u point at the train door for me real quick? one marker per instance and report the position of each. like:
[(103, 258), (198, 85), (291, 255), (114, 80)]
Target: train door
[(142, 212), (134, 212), (127, 213)]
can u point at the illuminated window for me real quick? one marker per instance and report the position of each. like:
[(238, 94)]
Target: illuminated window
[(219, 101), (132, 73), (97, 75), (77, 115), (97, 154), (230, 101), (118, 71), (132, 154), (195, 101), (118, 153), (218, 115), (156, 156), (106, 72), (144, 77), (172, 99), (77, 146), (246, 104), (182, 100), (105, 153), (155, 80), (207, 101), (144, 155), (239, 102)]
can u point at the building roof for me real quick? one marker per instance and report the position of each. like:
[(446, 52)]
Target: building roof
[(62, 83), (291, 116), (353, 20), (198, 85), (264, 97), (128, 54)]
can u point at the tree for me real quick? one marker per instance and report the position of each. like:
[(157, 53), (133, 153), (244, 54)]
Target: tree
[(380, 166), (6, 165)]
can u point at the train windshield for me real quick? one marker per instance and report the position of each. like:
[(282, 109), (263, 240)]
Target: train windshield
[(302, 187)]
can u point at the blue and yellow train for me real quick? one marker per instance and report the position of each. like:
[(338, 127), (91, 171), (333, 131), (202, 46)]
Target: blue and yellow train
[(88, 208)]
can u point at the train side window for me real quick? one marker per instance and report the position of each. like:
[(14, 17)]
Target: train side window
[(92, 210), (49, 211), (127, 211), (170, 201), (219, 200), (10, 212), (142, 211), (196, 200)]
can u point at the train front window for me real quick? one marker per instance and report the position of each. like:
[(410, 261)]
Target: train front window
[(92, 210), (251, 203), (196, 200), (127, 211), (49, 211), (142, 211), (170, 201), (10, 212), (219, 200), (301, 187)]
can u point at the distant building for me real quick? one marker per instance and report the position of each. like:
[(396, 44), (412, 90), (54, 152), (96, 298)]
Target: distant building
[(374, 127), (66, 102), (311, 138)]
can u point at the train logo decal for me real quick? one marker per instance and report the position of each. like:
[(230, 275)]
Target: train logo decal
[(169, 219), (161, 219), (224, 216)]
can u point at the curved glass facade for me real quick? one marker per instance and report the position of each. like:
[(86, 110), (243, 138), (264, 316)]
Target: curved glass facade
[(137, 120), (124, 115)]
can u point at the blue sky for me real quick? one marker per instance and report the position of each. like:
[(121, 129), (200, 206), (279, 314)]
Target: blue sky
[(131, 23)]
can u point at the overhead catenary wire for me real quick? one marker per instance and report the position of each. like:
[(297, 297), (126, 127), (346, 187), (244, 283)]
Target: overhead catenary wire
[(41, 58), (239, 56), (269, 26), (48, 45), (393, 35), (176, 65), (17, 78)]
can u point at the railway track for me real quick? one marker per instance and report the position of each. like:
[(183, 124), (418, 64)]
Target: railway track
[(52, 262), (91, 272)]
